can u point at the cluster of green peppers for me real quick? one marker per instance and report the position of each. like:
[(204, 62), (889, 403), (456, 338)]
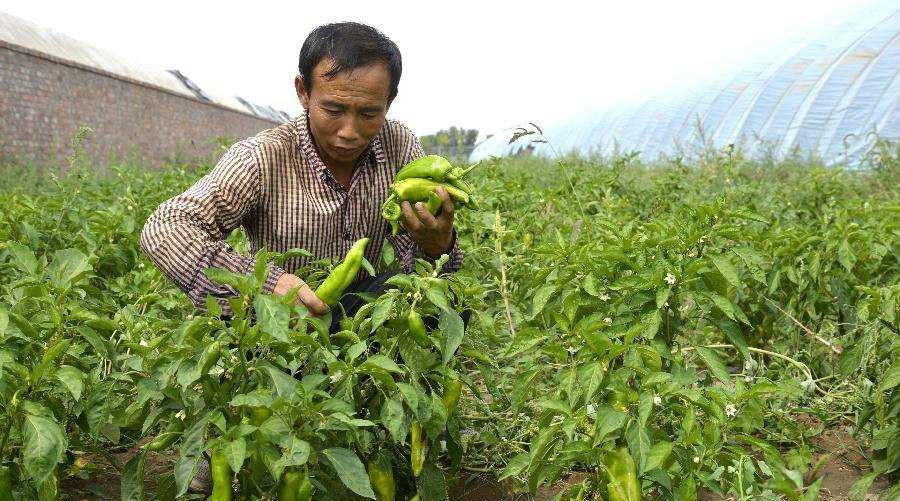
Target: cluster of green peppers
[(417, 182), (331, 289)]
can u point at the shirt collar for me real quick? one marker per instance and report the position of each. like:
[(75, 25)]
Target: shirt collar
[(374, 152)]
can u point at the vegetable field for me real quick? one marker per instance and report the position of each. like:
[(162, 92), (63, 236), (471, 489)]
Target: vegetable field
[(719, 329)]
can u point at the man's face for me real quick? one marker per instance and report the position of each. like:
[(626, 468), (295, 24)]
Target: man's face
[(347, 110)]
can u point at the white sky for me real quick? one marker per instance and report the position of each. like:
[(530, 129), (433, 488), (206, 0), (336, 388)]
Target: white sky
[(484, 65)]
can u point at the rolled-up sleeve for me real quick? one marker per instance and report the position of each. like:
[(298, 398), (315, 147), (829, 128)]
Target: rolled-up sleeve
[(186, 233), (406, 249)]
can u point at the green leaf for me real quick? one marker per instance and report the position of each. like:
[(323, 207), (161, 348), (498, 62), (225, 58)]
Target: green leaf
[(638, 443), (236, 452), (432, 486), (383, 310), (295, 455), (185, 467), (541, 297), (714, 364), (350, 470), (451, 325), (43, 446), (72, 378), (608, 421), (49, 356), (68, 267), (285, 384), (731, 310), (846, 256), (394, 419), (133, 478), (851, 359), (723, 264), (259, 397), (891, 378), (554, 404), (22, 258), (381, 362), (657, 455), (273, 316)]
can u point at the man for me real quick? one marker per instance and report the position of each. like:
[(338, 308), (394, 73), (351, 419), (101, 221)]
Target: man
[(317, 182)]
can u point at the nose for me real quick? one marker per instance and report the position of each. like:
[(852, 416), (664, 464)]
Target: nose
[(348, 133)]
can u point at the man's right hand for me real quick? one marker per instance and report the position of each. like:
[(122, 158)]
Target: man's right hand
[(306, 295)]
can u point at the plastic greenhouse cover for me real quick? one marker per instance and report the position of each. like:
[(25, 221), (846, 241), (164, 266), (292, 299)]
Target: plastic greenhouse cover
[(831, 89)]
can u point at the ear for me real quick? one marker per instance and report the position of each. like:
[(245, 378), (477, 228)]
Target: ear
[(300, 85), (390, 100)]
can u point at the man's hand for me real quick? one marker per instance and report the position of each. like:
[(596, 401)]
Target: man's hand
[(306, 295), (433, 233)]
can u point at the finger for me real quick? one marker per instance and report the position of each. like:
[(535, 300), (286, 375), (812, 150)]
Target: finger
[(447, 206), (428, 221), (411, 221), (312, 302)]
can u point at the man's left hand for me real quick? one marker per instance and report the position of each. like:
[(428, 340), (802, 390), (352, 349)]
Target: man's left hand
[(434, 234)]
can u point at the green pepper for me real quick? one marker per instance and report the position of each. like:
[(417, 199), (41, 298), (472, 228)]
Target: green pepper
[(417, 328), (221, 476), (452, 390), (417, 451), (623, 482), (433, 167), (381, 475), (258, 416), (165, 439), (210, 356), (5, 484), (342, 276), (295, 485), (418, 190)]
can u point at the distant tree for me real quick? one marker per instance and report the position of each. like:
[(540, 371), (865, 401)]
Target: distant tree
[(453, 141)]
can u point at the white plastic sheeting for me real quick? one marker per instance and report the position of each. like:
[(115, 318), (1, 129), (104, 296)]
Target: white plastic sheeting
[(831, 96), (32, 36)]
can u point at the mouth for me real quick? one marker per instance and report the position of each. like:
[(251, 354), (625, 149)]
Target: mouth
[(345, 151)]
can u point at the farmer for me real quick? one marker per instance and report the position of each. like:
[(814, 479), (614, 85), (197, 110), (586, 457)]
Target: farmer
[(316, 182)]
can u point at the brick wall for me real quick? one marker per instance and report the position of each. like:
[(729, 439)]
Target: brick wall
[(45, 100)]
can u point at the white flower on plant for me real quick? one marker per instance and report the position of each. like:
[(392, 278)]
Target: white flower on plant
[(130, 208), (670, 279), (730, 410), (731, 469), (747, 379), (607, 321), (604, 297), (190, 317), (696, 459), (572, 350), (141, 265), (657, 400), (591, 410)]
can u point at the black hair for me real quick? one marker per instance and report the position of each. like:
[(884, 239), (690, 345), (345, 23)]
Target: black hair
[(351, 45)]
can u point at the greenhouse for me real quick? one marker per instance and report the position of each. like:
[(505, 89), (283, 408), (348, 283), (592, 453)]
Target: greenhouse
[(831, 96)]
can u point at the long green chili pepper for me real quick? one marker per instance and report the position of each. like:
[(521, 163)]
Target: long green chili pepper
[(418, 190), (417, 328), (210, 356), (417, 444), (434, 167), (428, 167), (381, 475), (165, 439), (452, 390), (342, 276), (623, 482), (221, 476), (295, 485)]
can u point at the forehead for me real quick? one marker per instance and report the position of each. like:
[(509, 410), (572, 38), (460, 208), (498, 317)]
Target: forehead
[(369, 83)]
